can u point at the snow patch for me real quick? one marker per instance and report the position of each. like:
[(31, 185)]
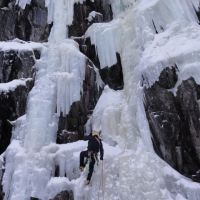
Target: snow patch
[(12, 85)]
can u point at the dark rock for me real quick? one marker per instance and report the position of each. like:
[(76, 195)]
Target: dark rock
[(164, 121), (168, 77), (81, 13), (12, 106), (113, 76), (187, 96), (65, 195), (16, 65), (7, 31), (88, 49), (174, 122), (37, 54), (28, 24), (67, 137)]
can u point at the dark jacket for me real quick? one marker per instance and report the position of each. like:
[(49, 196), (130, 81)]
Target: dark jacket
[(95, 144)]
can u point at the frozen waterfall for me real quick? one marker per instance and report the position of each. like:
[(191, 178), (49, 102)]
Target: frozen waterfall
[(131, 168)]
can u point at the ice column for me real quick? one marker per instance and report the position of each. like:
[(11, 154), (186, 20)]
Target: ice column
[(60, 76)]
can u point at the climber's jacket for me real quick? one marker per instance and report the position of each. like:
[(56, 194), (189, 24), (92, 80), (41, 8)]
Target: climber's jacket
[(94, 144)]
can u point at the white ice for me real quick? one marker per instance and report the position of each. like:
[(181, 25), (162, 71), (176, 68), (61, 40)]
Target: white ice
[(131, 168), (58, 83)]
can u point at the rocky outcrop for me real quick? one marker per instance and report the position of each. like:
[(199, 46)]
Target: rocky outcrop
[(65, 195), (174, 121), (14, 65), (12, 106), (29, 24), (87, 13)]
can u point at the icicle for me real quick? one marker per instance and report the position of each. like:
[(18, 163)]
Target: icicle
[(22, 3)]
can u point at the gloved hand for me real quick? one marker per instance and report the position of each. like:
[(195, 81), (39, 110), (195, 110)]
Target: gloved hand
[(101, 158)]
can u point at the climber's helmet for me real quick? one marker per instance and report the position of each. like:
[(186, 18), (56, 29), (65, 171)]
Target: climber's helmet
[(95, 133)]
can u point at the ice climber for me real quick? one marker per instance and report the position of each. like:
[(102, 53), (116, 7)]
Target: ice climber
[(91, 154)]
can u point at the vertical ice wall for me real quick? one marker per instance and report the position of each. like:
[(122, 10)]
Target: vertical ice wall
[(131, 33), (61, 69), (135, 172), (149, 35), (59, 78)]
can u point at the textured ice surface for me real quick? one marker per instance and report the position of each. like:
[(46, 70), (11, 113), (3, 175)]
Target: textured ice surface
[(58, 83), (149, 35)]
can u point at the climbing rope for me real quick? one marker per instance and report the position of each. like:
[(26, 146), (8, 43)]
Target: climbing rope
[(102, 180), (101, 184)]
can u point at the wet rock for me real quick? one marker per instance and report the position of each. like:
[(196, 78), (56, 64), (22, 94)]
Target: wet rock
[(28, 24), (174, 122), (65, 195)]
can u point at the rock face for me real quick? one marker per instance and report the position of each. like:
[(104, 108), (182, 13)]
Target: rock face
[(29, 24), (13, 65), (12, 106), (113, 76), (16, 65), (174, 122)]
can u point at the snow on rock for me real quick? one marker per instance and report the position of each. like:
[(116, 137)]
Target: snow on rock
[(92, 15), (178, 46), (20, 45), (12, 85)]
